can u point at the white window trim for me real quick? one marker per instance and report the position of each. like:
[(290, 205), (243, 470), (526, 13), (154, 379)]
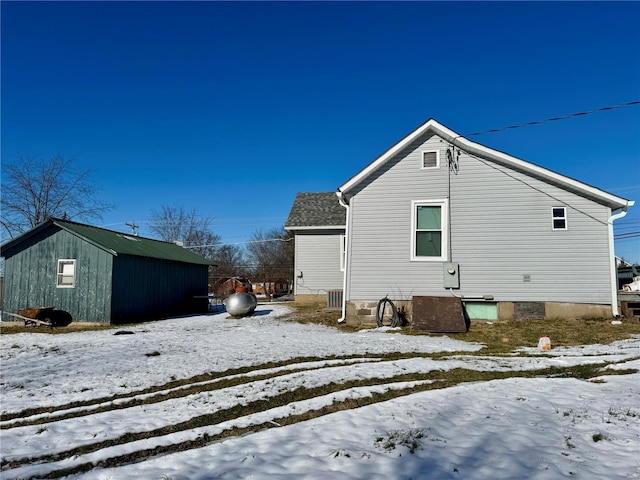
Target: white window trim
[(343, 252), (564, 217), (437, 152), (60, 274), (444, 205)]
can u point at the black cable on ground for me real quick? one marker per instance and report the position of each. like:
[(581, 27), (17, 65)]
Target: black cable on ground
[(382, 305)]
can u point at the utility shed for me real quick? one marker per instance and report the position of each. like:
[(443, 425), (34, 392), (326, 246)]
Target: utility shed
[(99, 275)]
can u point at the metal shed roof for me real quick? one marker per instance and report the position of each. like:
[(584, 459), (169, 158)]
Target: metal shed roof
[(114, 242)]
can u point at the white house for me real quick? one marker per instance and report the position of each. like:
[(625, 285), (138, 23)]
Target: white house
[(438, 215), (318, 222)]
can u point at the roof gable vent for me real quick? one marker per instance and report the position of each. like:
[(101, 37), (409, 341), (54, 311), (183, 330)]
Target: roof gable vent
[(430, 159)]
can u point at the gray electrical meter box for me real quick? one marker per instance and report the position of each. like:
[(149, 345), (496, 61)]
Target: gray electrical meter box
[(451, 275)]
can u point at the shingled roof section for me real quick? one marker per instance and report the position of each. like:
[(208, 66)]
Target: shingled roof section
[(316, 210)]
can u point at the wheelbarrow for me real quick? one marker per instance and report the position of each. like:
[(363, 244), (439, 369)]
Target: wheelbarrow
[(42, 316)]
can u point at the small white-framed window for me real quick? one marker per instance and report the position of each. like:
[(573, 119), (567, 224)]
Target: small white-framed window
[(559, 218), (343, 252), (429, 230), (66, 273), (430, 159)]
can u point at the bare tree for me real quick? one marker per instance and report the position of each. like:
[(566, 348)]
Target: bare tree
[(231, 262), (271, 254), (34, 190), (178, 224)]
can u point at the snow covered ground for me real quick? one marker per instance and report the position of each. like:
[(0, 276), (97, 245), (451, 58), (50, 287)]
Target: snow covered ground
[(165, 374)]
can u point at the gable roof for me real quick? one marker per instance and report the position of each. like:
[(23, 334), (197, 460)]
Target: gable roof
[(473, 148), (320, 210), (114, 243)]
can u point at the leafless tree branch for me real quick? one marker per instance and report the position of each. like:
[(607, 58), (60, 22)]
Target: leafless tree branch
[(34, 189)]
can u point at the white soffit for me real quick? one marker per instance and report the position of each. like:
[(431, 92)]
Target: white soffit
[(502, 158)]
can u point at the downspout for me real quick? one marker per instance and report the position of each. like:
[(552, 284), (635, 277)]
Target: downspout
[(345, 204), (612, 259)]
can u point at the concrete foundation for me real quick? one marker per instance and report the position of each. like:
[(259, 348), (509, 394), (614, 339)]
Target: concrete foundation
[(311, 298), (363, 312)]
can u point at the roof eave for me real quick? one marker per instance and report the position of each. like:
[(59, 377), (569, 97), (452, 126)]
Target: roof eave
[(372, 167), (43, 226), (315, 227), (600, 196), (88, 240), (594, 193), (23, 236)]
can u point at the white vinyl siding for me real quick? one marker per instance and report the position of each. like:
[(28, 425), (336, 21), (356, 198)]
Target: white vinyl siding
[(66, 277), (499, 233), (319, 260)]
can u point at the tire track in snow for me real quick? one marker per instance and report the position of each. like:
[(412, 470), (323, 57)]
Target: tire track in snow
[(144, 449), (24, 440), (226, 411), (159, 394)]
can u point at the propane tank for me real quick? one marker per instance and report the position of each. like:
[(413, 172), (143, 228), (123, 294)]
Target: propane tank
[(241, 304)]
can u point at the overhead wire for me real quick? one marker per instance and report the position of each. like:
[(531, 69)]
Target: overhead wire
[(239, 243), (494, 130), (539, 122), (627, 235), (563, 202), (555, 119)]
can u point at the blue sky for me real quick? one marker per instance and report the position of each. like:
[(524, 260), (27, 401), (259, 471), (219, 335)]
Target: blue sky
[(233, 108)]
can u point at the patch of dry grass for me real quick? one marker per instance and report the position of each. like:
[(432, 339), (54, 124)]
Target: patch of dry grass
[(499, 336), (7, 328), (316, 313), (503, 336)]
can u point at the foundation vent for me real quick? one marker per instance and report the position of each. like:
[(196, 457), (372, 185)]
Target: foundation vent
[(334, 300)]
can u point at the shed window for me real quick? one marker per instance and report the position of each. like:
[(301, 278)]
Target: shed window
[(66, 273), (559, 218), (429, 230), (430, 159)]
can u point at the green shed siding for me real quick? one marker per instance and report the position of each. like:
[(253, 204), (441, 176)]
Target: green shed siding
[(31, 276), (94, 272), (118, 278), (152, 288)]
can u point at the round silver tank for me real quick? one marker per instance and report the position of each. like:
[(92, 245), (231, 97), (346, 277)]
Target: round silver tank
[(240, 304)]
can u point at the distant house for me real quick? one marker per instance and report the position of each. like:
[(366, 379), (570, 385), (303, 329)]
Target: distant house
[(99, 275), (276, 288), (438, 215), (626, 273), (318, 222), (228, 285)]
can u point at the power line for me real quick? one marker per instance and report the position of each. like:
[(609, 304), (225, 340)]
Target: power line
[(626, 235), (238, 243), (561, 202), (554, 119), (495, 130)]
